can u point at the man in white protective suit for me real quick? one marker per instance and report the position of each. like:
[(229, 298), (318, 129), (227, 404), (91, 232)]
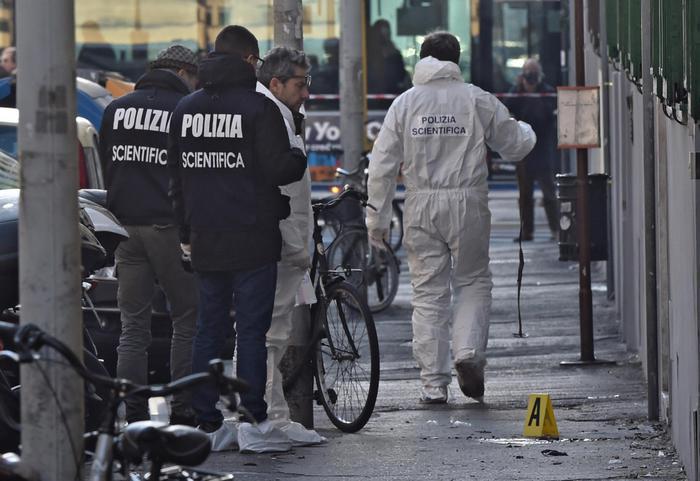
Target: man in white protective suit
[(440, 130), (284, 78)]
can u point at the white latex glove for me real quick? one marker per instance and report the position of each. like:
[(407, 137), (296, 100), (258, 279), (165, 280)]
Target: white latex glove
[(377, 238), (186, 249)]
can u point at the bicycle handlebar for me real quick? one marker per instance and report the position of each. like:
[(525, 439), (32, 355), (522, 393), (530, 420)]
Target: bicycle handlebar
[(348, 192), (29, 338), (361, 166)]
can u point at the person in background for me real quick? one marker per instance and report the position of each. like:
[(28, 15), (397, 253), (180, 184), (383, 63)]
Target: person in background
[(539, 165), (8, 60), (284, 78), (440, 130), (133, 144), (228, 154), (386, 71)]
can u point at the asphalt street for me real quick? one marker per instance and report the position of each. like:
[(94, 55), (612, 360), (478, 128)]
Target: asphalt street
[(600, 411)]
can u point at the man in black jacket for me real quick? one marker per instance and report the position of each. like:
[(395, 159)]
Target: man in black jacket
[(228, 154), (133, 144)]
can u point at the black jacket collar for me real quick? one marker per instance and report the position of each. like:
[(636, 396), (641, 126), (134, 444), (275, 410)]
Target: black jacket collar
[(221, 70), (164, 79), (298, 122)]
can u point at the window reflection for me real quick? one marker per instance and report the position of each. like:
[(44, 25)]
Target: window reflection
[(121, 37), (9, 172)]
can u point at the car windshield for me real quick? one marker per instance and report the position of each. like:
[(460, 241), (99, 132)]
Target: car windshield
[(8, 139)]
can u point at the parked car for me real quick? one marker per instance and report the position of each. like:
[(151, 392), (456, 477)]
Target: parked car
[(91, 98), (89, 165)]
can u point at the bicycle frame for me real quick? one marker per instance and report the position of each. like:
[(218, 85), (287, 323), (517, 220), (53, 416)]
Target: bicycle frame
[(322, 276)]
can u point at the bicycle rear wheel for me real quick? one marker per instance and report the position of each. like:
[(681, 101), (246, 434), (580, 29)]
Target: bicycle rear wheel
[(347, 359), (350, 249), (379, 280), (382, 278), (396, 226)]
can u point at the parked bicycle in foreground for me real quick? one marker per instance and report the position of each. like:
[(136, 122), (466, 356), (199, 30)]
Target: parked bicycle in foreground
[(343, 345), (156, 442)]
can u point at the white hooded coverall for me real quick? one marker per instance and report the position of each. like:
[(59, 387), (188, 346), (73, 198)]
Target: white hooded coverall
[(296, 234), (439, 130)]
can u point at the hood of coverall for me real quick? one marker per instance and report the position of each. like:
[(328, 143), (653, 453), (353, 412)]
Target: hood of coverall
[(430, 68)]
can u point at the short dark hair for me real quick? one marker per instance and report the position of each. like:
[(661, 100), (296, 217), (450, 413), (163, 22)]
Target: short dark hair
[(235, 39), (280, 63), (442, 46)]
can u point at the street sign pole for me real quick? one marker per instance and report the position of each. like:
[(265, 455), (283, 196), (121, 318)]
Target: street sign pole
[(49, 242), (289, 32), (584, 218), (351, 82)]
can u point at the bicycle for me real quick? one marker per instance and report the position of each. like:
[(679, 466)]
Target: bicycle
[(358, 180), (379, 279), (155, 441), (343, 346)]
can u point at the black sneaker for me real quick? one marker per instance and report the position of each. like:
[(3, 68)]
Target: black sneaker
[(183, 419), (210, 426), (470, 376)]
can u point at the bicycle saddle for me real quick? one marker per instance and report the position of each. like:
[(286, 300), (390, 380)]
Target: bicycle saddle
[(167, 444), (98, 196)]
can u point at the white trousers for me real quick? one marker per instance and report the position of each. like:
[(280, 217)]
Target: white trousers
[(447, 241), (288, 280)]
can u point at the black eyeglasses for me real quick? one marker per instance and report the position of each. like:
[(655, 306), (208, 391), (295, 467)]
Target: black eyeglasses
[(258, 61), (307, 79)]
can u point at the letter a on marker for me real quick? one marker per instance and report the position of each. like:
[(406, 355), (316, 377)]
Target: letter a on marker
[(539, 419)]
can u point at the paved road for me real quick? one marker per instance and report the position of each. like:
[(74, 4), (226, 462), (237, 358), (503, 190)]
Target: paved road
[(600, 411)]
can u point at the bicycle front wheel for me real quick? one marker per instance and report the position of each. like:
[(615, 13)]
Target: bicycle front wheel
[(347, 359)]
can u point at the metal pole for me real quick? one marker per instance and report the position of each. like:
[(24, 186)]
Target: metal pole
[(288, 32), (583, 223), (605, 140), (652, 321), (482, 45), (582, 204), (351, 82), (49, 254)]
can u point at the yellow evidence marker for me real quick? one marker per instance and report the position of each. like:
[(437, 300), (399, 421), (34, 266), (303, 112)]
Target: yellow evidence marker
[(539, 420)]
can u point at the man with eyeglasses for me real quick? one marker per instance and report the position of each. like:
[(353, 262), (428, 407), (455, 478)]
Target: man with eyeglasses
[(284, 78), (229, 152)]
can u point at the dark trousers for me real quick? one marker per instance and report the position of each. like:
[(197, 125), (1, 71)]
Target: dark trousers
[(254, 294), (153, 252), (526, 184)]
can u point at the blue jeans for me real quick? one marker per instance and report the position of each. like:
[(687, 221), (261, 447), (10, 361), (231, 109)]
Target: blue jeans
[(254, 294)]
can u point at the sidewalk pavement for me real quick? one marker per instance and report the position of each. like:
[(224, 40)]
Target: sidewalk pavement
[(600, 411)]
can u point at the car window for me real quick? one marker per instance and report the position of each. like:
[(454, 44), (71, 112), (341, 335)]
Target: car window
[(8, 139), (9, 172)]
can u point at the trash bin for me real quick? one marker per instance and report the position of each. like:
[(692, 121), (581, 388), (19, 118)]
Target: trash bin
[(568, 219)]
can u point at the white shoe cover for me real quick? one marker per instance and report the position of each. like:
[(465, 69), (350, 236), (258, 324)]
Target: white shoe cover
[(434, 395), (299, 435), (262, 438), (224, 438)]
